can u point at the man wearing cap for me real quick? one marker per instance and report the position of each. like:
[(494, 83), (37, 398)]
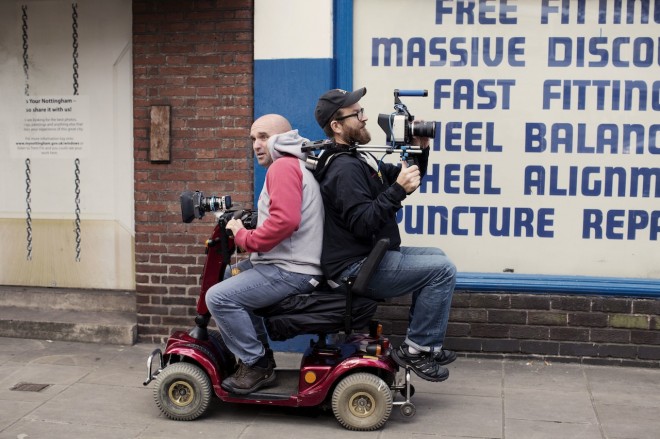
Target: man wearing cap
[(361, 197), (285, 252)]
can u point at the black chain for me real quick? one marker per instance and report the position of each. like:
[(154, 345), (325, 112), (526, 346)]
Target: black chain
[(25, 50), (77, 181), (74, 26), (28, 211), (28, 181)]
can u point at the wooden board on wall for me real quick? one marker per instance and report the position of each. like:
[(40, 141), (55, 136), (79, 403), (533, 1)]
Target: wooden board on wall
[(160, 134)]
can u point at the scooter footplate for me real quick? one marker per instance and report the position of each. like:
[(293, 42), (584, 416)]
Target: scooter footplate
[(285, 385)]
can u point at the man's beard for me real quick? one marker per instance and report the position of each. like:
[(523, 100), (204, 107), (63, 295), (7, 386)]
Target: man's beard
[(360, 136)]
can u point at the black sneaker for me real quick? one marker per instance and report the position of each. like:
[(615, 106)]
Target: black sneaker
[(248, 379), (444, 357), (423, 364)]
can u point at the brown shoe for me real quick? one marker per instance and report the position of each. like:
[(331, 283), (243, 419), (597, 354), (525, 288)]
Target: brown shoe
[(248, 379)]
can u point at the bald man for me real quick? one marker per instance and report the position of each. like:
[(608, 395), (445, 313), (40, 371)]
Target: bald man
[(285, 252)]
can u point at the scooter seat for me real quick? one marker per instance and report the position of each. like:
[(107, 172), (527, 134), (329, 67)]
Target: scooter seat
[(327, 311), (317, 312)]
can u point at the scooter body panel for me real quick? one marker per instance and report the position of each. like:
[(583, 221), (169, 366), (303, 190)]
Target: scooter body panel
[(210, 355)]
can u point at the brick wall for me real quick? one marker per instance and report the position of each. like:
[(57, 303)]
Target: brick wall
[(591, 329), (195, 56)]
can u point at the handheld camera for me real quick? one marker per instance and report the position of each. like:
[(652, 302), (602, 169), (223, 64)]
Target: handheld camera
[(400, 127), (194, 205)]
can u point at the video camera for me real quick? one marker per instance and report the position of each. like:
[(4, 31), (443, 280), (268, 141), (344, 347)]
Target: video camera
[(400, 127), (195, 205)]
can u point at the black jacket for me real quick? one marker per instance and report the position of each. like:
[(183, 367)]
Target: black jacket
[(360, 205)]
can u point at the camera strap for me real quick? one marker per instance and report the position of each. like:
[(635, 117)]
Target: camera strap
[(370, 160), (328, 155)]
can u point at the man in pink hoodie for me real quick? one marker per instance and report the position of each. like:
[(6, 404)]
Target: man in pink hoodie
[(285, 252)]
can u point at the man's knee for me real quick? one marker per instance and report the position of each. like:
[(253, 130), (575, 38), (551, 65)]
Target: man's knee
[(446, 271), (215, 297), (451, 269), (210, 299)]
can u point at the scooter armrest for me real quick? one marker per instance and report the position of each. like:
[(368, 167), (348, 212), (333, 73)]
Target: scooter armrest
[(369, 266)]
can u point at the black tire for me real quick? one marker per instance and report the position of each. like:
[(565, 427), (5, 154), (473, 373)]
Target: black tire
[(362, 401), (408, 409), (183, 391)]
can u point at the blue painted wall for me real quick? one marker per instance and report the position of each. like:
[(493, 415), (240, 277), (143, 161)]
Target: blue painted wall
[(290, 87)]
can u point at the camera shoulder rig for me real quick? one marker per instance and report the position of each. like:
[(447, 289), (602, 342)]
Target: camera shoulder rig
[(319, 148)]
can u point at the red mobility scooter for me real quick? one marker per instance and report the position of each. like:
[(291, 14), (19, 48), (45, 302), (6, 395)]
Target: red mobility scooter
[(353, 375)]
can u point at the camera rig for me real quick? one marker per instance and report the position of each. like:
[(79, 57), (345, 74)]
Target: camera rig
[(320, 145), (194, 205), (400, 126)]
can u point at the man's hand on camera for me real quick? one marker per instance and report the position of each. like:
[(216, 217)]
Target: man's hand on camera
[(235, 225), (422, 142), (409, 178)]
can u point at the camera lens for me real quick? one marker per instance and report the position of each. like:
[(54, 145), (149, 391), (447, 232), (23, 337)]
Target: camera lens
[(213, 203), (422, 129)]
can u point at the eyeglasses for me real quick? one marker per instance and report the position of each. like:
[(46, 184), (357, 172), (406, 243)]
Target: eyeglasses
[(359, 115)]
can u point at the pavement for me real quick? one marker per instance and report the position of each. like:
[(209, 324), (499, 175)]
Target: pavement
[(95, 391)]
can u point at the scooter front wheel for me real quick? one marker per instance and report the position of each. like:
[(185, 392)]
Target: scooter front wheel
[(183, 391), (362, 401)]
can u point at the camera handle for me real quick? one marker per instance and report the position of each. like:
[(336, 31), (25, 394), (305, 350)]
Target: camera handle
[(415, 92), (397, 93), (399, 107)]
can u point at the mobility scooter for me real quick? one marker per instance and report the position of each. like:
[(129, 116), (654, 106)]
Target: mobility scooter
[(352, 374)]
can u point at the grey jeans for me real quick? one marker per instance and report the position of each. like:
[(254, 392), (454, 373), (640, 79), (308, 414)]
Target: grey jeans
[(232, 301)]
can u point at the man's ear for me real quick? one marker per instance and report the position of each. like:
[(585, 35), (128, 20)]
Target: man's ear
[(336, 127)]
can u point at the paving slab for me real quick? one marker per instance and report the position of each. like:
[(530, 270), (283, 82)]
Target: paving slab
[(549, 406), (11, 411), (629, 421), (454, 415), (535, 374), (526, 429), (30, 428), (468, 377)]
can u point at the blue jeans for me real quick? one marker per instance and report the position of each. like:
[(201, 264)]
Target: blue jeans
[(232, 301), (430, 276)]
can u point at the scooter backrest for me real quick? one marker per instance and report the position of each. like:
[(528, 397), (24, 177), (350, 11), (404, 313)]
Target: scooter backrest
[(369, 266)]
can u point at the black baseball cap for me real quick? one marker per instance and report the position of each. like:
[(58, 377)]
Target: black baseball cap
[(333, 100)]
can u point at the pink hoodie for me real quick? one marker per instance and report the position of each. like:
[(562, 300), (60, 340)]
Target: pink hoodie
[(289, 231)]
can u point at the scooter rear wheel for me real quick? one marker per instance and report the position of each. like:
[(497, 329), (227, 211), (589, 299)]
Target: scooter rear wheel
[(362, 401), (183, 391)]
